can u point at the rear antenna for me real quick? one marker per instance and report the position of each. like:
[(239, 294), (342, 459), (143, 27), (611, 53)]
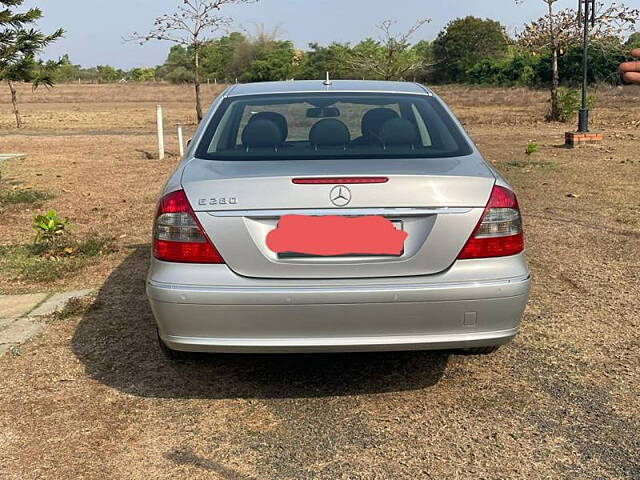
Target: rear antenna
[(328, 81)]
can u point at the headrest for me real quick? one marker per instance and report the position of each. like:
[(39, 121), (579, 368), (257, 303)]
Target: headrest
[(373, 120), (275, 117), (262, 134), (399, 131), (329, 133)]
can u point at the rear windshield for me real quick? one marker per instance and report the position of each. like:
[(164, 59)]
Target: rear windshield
[(331, 126)]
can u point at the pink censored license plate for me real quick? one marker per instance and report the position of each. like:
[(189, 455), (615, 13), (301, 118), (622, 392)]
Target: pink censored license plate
[(330, 236)]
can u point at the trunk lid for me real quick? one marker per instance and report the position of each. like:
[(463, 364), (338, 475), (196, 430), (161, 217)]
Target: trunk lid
[(437, 202)]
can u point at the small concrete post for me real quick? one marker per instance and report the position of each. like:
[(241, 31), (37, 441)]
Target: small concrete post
[(180, 140), (160, 133)]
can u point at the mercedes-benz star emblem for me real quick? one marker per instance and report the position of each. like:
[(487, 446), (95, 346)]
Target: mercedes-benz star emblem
[(340, 196)]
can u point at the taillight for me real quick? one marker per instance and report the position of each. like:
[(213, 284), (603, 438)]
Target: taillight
[(177, 234), (499, 232)]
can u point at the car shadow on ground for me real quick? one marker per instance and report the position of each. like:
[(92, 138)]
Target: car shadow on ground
[(116, 342)]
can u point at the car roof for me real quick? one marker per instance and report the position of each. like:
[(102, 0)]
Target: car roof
[(319, 86)]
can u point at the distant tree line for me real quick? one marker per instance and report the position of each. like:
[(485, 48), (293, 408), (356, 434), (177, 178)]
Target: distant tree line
[(469, 50), (67, 72)]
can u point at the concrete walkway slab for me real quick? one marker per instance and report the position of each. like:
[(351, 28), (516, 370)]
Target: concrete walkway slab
[(12, 306), (11, 156), (21, 315), (5, 322), (20, 330)]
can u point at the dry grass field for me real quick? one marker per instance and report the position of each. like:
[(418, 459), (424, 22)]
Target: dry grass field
[(93, 397)]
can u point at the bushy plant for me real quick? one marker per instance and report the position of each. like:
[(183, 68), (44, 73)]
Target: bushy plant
[(518, 70), (569, 102), (49, 226)]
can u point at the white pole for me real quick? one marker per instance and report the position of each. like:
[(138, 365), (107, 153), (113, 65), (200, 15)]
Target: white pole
[(160, 133), (180, 142)]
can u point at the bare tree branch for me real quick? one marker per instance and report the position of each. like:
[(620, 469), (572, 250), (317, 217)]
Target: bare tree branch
[(190, 26), (391, 57)]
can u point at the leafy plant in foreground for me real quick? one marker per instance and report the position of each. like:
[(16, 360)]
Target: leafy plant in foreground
[(532, 147), (49, 226)]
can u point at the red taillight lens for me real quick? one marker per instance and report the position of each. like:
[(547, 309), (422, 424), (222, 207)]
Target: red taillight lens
[(499, 232), (177, 234)]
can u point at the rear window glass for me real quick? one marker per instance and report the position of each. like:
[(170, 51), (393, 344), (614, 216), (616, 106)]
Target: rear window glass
[(331, 126)]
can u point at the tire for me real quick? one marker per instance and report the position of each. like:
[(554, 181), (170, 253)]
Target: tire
[(171, 354), (480, 350)]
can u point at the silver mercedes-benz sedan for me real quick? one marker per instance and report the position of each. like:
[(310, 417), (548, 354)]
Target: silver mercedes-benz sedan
[(335, 216)]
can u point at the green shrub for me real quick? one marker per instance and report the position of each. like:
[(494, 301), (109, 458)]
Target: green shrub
[(519, 70), (570, 101)]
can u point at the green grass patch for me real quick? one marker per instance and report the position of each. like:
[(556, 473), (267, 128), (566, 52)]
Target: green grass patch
[(44, 262), (27, 196)]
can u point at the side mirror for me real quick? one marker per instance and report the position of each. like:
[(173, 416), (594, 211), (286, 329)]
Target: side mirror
[(189, 142)]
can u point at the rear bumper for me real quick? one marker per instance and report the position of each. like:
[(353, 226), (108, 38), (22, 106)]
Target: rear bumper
[(251, 315)]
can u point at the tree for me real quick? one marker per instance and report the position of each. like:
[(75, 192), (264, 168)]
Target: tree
[(108, 74), (142, 74), (604, 58), (189, 26), (261, 57), (65, 70), (273, 61), (220, 59), (633, 41), (333, 58), (391, 57), (424, 50), (558, 30), (18, 48), (463, 43)]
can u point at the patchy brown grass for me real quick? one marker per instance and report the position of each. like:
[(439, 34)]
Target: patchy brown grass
[(127, 108), (93, 394)]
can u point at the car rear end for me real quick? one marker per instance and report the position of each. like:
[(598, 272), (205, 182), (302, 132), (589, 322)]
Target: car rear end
[(339, 220)]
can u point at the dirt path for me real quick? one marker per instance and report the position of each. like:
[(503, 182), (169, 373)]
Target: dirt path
[(93, 397)]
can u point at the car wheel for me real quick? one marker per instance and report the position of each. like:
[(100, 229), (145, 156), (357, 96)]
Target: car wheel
[(480, 350), (171, 354)]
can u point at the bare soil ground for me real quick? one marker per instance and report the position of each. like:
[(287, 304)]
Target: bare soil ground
[(93, 397)]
